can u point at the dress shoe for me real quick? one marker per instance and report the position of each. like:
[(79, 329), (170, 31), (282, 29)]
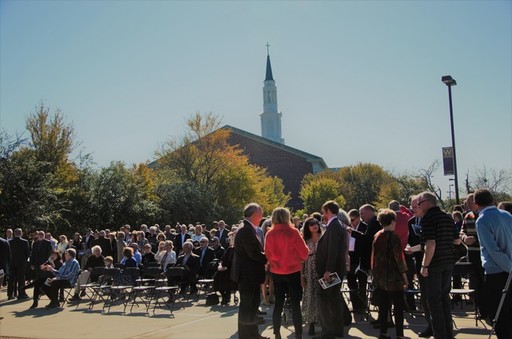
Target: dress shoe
[(426, 333), (10, 297), (34, 305), (23, 297), (75, 298), (52, 305), (82, 294)]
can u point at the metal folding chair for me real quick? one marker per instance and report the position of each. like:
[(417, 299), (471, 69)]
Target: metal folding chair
[(504, 293), (103, 291)]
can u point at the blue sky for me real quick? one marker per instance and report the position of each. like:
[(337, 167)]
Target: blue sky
[(357, 81)]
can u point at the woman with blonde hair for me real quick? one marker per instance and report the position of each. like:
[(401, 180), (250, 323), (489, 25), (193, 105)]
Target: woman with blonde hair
[(62, 246), (285, 250)]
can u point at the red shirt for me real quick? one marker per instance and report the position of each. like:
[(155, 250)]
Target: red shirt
[(285, 249), (402, 225)]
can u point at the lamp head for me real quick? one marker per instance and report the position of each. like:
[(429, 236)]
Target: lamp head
[(448, 80)]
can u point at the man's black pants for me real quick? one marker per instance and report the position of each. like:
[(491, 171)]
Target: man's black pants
[(249, 303)]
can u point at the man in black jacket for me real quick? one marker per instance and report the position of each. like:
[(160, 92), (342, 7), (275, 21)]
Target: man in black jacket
[(222, 234), (358, 248), (104, 243), (41, 250), (248, 270), (5, 259), (180, 239), (20, 252), (330, 258), (206, 255), (190, 262)]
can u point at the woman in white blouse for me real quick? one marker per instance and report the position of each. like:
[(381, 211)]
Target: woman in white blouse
[(168, 257)]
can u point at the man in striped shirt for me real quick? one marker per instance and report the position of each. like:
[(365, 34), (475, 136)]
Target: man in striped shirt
[(66, 276), (438, 231)]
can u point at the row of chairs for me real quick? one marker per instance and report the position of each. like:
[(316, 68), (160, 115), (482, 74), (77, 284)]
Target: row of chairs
[(128, 286), (461, 267)]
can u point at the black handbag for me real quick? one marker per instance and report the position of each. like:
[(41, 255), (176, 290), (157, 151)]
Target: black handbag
[(212, 299)]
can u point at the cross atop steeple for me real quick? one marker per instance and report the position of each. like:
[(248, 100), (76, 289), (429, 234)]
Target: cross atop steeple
[(268, 45)]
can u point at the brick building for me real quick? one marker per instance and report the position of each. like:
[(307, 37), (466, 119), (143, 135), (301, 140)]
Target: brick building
[(269, 150), (285, 162)]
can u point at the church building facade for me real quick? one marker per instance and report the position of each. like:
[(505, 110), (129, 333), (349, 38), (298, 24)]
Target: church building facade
[(269, 150)]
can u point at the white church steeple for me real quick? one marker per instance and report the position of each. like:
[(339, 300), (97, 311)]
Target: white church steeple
[(270, 118)]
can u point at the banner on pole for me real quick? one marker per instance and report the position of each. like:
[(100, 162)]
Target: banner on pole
[(448, 161)]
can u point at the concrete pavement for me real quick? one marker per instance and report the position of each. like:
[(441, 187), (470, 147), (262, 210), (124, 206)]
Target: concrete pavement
[(192, 320)]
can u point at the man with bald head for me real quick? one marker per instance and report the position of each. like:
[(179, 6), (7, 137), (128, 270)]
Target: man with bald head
[(248, 270)]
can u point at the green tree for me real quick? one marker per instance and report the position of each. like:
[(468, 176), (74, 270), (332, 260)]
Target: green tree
[(118, 197), (316, 190), (400, 187), (52, 141), (205, 157), (362, 183), (186, 202)]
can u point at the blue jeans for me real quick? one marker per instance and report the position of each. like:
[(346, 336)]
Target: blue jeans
[(438, 294)]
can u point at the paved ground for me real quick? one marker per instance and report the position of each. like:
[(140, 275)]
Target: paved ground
[(192, 320)]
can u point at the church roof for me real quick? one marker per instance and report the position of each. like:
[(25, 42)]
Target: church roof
[(307, 156), (269, 76)]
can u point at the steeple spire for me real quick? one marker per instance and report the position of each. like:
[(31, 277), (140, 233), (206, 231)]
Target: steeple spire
[(271, 117), (268, 75)]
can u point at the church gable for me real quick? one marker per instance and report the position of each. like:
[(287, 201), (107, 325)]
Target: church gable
[(287, 163)]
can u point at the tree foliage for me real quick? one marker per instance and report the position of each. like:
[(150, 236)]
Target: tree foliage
[(316, 190), (362, 183), (205, 157), (199, 177)]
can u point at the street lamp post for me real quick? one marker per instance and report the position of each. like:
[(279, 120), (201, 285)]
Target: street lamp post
[(449, 81)]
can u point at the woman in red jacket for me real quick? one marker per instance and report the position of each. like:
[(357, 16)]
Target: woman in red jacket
[(285, 250)]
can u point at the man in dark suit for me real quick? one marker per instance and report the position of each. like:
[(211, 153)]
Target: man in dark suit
[(369, 216), (222, 234), (41, 251), (217, 248), (5, 259), (88, 239), (20, 252), (330, 258), (358, 275), (104, 243), (206, 255), (190, 262), (248, 270), (181, 238)]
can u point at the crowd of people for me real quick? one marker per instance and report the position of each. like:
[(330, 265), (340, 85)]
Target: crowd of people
[(297, 262)]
